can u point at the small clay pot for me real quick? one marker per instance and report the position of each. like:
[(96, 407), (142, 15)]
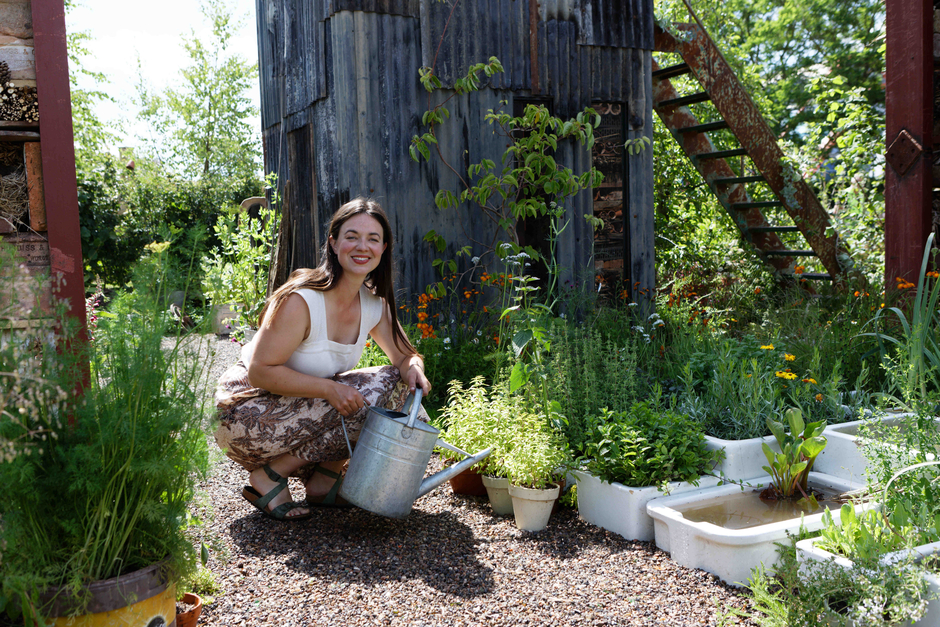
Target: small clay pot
[(468, 483), (189, 618)]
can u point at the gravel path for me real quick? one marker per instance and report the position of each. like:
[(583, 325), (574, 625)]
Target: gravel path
[(450, 562)]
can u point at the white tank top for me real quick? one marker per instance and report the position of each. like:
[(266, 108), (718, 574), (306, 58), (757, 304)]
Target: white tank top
[(318, 356)]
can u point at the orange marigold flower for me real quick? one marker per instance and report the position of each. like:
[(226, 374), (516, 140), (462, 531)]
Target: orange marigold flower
[(798, 270), (757, 290), (934, 275), (856, 293), (422, 316), (819, 398)]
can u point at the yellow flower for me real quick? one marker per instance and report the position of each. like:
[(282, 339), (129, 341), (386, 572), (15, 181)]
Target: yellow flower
[(788, 357), (767, 347), (789, 376), (809, 380), (819, 398), (157, 247)]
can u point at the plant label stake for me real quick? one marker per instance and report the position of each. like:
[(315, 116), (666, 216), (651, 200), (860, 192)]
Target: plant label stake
[(386, 471)]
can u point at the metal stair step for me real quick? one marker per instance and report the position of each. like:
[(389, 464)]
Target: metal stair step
[(704, 128), (790, 253), (814, 276), (760, 204), (671, 71), (773, 229), (722, 154), (759, 178), (685, 100)]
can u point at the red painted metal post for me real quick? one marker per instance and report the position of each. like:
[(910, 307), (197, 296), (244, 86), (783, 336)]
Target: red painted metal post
[(58, 154), (909, 118), (58, 163)]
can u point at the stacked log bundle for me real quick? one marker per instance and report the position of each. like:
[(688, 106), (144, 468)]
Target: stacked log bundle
[(17, 103)]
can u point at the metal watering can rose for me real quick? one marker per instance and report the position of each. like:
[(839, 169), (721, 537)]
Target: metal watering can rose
[(386, 470)]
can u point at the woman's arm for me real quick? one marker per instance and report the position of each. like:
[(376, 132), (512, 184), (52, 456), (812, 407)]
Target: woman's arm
[(411, 366), (275, 342)]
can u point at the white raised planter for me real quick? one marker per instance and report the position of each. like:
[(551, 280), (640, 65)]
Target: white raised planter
[(743, 458), (497, 489), (622, 509), (842, 457), (808, 555), (730, 554), (532, 507)]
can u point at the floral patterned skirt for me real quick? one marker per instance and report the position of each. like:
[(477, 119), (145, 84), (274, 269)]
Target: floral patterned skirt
[(256, 427)]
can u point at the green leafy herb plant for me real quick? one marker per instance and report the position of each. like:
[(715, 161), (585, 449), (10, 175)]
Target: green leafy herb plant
[(478, 417), (236, 272), (647, 445)]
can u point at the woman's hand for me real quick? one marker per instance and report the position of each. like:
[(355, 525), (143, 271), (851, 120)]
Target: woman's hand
[(414, 376), (344, 399)]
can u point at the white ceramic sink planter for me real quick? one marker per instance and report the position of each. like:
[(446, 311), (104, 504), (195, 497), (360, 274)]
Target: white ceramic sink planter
[(843, 456), (730, 554), (808, 554), (622, 509), (743, 458)]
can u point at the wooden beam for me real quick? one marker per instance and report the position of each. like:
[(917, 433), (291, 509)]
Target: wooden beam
[(32, 154), (58, 158), (908, 122)]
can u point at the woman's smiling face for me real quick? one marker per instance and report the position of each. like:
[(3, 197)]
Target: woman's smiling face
[(360, 245)]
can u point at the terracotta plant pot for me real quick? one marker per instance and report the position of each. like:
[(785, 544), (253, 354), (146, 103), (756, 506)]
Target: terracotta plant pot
[(189, 618), (468, 483)]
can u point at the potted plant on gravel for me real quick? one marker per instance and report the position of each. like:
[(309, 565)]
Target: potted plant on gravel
[(95, 516), (635, 456), (479, 417), (531, 466)]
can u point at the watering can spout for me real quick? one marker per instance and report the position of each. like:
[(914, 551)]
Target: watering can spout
[(438, 478)]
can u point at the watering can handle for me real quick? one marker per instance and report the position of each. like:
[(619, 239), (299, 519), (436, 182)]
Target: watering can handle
[(415, 406)]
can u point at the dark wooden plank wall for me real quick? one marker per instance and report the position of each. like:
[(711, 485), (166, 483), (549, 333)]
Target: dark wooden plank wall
[(364, 103)]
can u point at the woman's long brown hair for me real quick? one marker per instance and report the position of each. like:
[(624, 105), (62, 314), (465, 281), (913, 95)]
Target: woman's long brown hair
[(325, 276)]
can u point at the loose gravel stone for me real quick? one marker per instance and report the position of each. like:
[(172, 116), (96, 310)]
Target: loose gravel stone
[(450, 562)]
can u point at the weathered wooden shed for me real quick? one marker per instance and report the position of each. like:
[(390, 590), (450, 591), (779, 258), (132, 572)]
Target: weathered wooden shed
[(341, 101)]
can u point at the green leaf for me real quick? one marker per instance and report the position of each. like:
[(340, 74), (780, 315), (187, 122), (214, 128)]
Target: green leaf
[(847, 516), (520, 340), (813, 446), (768, 453), (795, 418), (518, 376)]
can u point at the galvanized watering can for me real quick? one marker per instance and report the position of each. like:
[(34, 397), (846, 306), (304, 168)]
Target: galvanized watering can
[(386, 471)]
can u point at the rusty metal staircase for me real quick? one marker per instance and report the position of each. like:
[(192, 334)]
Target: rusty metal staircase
[(738, 113)]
